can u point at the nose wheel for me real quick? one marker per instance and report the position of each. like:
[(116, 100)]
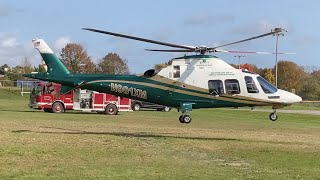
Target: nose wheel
[(185, 118), (273, 116)]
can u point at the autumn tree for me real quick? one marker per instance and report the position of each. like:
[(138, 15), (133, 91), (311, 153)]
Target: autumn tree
[(248, 67), (267, 73), (113, 64), (311, 86), (75, 57), (290, 76)]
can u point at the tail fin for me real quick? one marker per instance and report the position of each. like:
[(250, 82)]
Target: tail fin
[(55, 66)]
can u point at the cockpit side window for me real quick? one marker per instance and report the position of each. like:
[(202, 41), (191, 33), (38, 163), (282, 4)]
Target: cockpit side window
[(266, 86), (176, 71), (215, 87), (232, 86), (251, 85)]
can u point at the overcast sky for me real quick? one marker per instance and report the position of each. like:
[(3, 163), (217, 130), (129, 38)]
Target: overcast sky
[(188, 22)]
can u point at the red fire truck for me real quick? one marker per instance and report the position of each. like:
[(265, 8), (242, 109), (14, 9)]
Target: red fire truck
[(46, 96)]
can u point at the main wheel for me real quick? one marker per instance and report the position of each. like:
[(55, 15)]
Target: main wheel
[(111, 109), (136, 106), (166, 109), (57, 107), (187, 119), (273, 116)]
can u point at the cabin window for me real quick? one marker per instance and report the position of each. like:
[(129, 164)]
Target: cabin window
[(251, 86), (176, 71), (37, 90), (232, 86), (266, 86), (215, 87), (45, 90)]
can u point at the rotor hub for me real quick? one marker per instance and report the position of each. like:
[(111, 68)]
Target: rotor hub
[(202, 49)]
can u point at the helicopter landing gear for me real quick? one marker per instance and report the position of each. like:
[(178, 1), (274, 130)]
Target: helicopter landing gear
[(273, 116), (185, 118), (185, 108)]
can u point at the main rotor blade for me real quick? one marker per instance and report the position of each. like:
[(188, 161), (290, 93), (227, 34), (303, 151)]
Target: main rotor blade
[(275, 31), (249, 52), (171, 50), (140, 39)]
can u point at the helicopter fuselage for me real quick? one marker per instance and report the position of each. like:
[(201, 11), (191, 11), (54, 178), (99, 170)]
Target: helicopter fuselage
[(190, 82), (224, 83), (203, 81)]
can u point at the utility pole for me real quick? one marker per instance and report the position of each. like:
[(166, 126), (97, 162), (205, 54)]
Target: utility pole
[(278, 32), (239, 56)]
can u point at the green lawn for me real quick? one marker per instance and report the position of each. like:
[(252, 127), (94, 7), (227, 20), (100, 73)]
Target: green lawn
[(218, 144)]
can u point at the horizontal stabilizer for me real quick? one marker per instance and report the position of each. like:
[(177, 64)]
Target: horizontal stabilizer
[(65, 89)]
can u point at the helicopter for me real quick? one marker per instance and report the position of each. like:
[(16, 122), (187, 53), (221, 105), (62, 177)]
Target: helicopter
[(190, 82)]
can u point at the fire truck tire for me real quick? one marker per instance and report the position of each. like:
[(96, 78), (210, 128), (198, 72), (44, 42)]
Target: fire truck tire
[(47, 110), (57, 107), (136, 106), (111, 109)]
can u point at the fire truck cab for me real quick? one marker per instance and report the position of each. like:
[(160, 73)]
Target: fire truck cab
[(46, 96)]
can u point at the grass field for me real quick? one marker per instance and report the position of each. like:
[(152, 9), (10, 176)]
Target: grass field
[(218, 144)]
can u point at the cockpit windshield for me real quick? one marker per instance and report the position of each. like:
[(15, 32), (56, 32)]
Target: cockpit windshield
[(266, 86)]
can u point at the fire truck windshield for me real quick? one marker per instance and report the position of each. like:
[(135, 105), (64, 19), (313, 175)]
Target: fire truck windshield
[(36, 90)]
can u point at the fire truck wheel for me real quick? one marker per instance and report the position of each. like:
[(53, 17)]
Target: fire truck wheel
[(111, 109), (57, 107)]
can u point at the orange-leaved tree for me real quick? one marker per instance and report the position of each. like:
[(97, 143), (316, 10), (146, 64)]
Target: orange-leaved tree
[(75, 57)]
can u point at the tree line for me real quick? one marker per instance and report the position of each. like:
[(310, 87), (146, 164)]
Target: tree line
[(76, 59), (304, 81)]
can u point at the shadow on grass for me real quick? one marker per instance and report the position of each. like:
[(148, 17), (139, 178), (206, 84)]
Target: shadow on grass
[(15, 111), (122, 134), (41, 111), (146, 135)]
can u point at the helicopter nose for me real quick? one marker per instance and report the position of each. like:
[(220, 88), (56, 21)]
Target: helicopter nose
[(291, 98)]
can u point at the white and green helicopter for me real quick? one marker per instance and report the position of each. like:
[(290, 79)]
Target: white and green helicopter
[(190, 82)]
